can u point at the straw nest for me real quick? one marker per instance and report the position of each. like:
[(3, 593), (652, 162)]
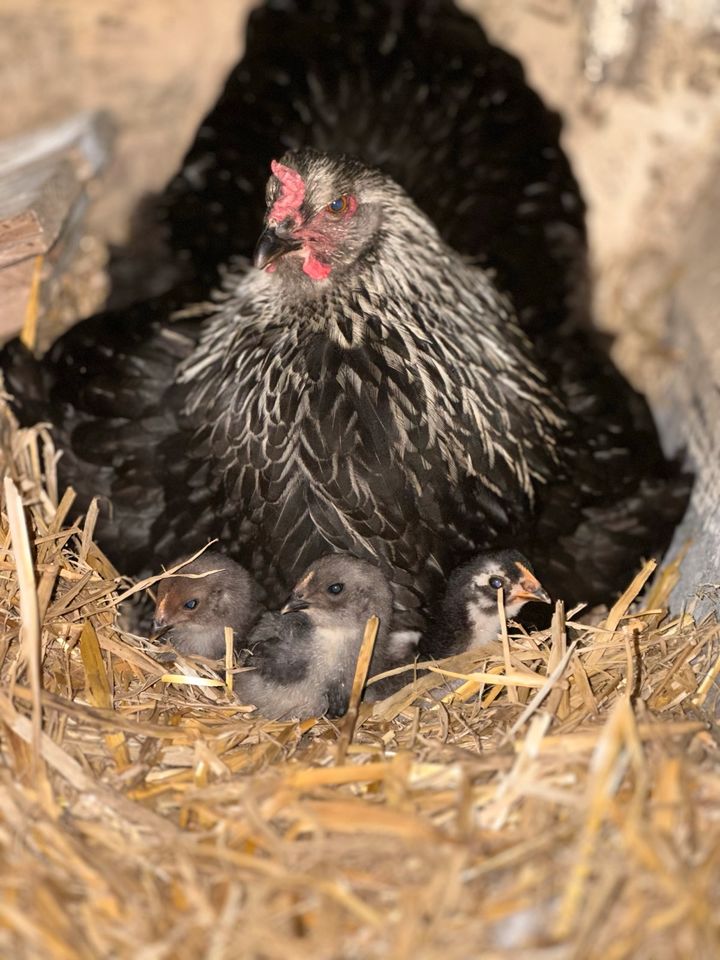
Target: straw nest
[(562, 801)]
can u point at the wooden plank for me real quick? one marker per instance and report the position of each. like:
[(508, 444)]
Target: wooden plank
[(41, 178), (34, 203), (42, 207)]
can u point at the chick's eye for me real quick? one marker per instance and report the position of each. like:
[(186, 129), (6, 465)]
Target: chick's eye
[(338, 205), (496, 582), (336, 588), (190, 604)]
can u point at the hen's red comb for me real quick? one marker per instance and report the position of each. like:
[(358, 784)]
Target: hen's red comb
[(292, 191)]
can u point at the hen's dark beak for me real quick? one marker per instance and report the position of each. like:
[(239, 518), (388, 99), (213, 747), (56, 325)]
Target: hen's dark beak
[(271, 246), (529, 588), (295, 603)]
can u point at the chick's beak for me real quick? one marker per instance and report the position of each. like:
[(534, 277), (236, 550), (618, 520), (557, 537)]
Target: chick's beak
[(295, 603), (528, 588), (158, 629), (271, 246)]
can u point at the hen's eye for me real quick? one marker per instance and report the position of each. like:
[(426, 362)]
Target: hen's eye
[(336, 588), (190, 604), (496, 582), (338, 205)]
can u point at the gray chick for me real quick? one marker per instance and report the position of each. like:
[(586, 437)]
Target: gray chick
[(191, 613), (468, 614), (304, 657)]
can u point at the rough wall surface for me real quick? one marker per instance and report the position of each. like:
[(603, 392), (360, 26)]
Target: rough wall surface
[(691, 415), (638, 82), (155, 65)]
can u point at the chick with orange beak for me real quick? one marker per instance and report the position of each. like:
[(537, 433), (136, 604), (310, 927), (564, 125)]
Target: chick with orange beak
[(468, 614)]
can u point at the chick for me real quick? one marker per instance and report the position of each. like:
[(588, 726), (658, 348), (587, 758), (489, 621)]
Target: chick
[(192, 612), (468, 614), (304, 657)]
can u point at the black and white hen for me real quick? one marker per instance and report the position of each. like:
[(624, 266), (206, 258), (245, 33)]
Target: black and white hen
[(370, 388), (366, 389)]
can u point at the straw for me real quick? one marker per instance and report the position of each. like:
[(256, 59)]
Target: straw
[(439, 824), (29, 608), (361, 671)]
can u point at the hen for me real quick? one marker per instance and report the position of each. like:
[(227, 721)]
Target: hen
[(370, 388)]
